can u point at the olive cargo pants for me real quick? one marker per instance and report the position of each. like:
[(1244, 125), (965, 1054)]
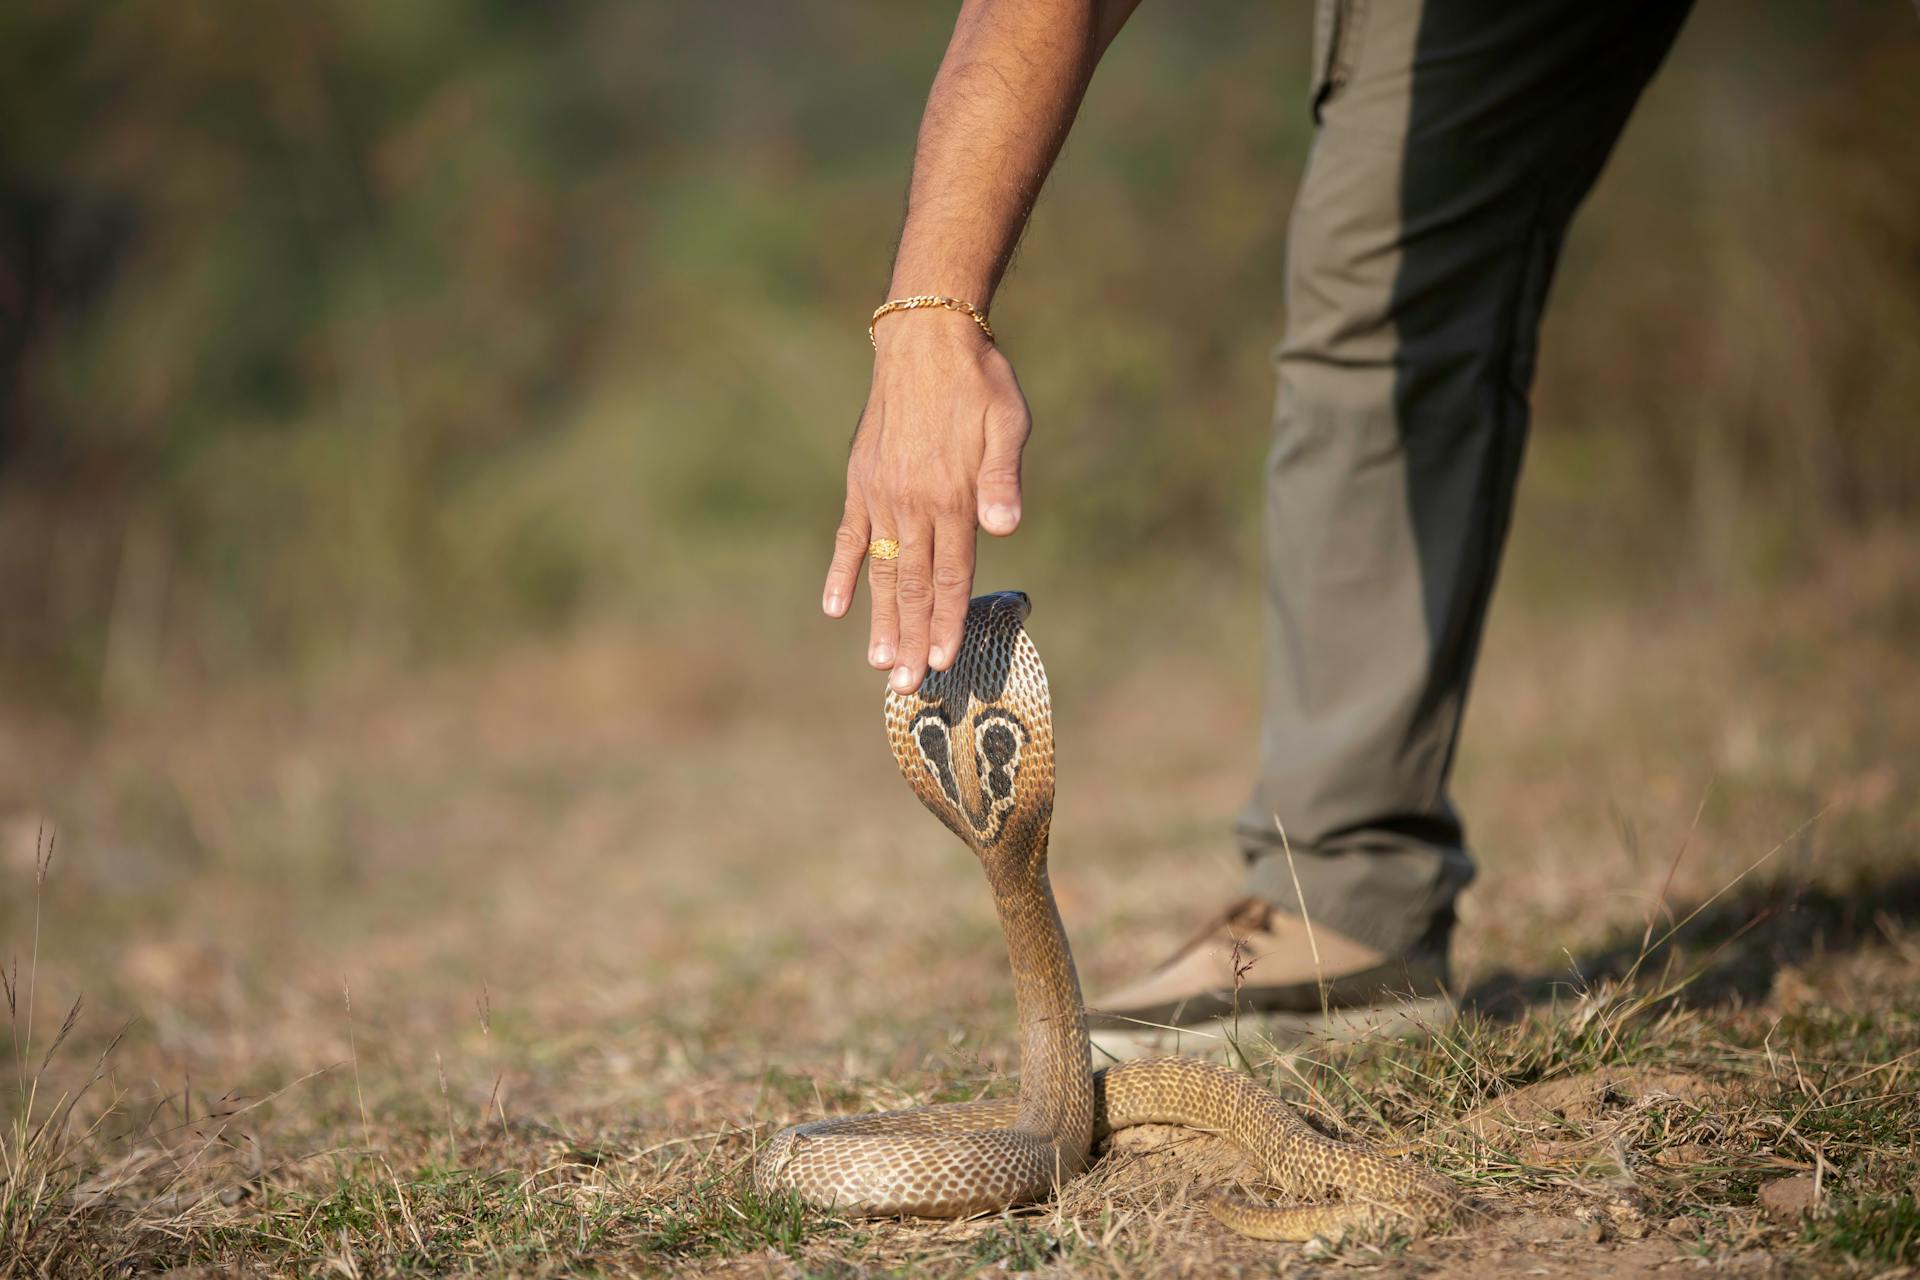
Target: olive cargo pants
[(1455, 140)]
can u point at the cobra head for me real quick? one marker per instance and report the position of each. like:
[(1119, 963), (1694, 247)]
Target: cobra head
[(975, 742)]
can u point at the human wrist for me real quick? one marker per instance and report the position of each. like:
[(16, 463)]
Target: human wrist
[(955, 275), (928, 330)]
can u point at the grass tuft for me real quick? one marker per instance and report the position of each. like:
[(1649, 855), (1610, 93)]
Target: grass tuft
[(721, 1218), (46, 1224), (1877, 1229)]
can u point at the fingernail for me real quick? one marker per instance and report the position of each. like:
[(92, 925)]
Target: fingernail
[(881, 654), (937, 657), (902, 680), (832, 603), (1001, 516)]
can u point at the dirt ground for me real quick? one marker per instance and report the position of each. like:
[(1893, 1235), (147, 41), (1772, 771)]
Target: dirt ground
[(506, 968)]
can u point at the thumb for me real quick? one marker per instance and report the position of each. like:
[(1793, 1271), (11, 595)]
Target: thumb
[(999, 482)]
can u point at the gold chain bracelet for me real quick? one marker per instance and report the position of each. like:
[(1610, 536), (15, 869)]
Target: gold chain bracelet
[(920, 300)]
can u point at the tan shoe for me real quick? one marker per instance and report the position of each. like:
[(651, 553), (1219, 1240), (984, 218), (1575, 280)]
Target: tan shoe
[(1252, 972)]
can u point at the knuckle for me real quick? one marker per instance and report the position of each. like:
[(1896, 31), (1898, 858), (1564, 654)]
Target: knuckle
[(1011, 418), (846, 538), (914, 592), (950, 578), (950, 502)]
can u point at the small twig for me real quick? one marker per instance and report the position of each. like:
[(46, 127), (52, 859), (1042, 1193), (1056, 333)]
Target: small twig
[(495, 1105), (446, 1105), (1717, 895), (353, 1052), (1319, 974), (1673, 868)]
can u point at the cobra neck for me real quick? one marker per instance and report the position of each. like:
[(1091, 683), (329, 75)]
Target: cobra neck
[(1056, 1073)]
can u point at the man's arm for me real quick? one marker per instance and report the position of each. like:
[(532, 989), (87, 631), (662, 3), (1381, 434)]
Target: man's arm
[(938, 447)]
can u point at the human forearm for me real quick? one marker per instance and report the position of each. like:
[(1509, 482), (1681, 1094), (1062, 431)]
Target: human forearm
[(1002, 102), (937, 453)]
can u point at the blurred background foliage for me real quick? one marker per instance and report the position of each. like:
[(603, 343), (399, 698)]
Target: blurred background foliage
[(369, 332)]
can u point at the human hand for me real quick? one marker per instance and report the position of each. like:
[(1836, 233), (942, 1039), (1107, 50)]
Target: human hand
[(937, 453)]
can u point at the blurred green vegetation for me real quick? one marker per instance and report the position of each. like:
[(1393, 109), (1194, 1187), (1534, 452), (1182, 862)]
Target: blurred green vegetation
[(366, 332)]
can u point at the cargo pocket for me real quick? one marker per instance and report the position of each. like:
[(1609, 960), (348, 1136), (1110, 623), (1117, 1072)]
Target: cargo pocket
[(1336, 45)]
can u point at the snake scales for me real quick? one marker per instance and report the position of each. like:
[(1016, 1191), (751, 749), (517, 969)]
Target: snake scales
[(976, 744)]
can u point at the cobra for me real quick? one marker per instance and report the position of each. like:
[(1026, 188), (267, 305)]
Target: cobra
[(975, 742)]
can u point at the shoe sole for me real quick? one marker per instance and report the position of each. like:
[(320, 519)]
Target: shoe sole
[(1226, 1037)]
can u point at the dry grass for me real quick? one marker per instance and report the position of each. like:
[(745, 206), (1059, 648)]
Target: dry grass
[(608, 912)]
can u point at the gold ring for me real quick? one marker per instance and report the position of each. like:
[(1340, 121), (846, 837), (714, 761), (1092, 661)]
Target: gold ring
[(883, 549)]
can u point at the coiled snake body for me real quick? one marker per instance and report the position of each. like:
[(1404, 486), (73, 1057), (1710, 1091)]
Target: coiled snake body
[(976, 744)]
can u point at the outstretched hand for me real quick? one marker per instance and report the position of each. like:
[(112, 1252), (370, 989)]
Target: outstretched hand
[(936, 455)]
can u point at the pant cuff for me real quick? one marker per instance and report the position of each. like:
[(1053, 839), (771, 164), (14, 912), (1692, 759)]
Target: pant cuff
[(1387, 890)]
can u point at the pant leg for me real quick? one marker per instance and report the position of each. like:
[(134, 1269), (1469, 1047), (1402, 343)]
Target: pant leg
[(1456, 138)]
